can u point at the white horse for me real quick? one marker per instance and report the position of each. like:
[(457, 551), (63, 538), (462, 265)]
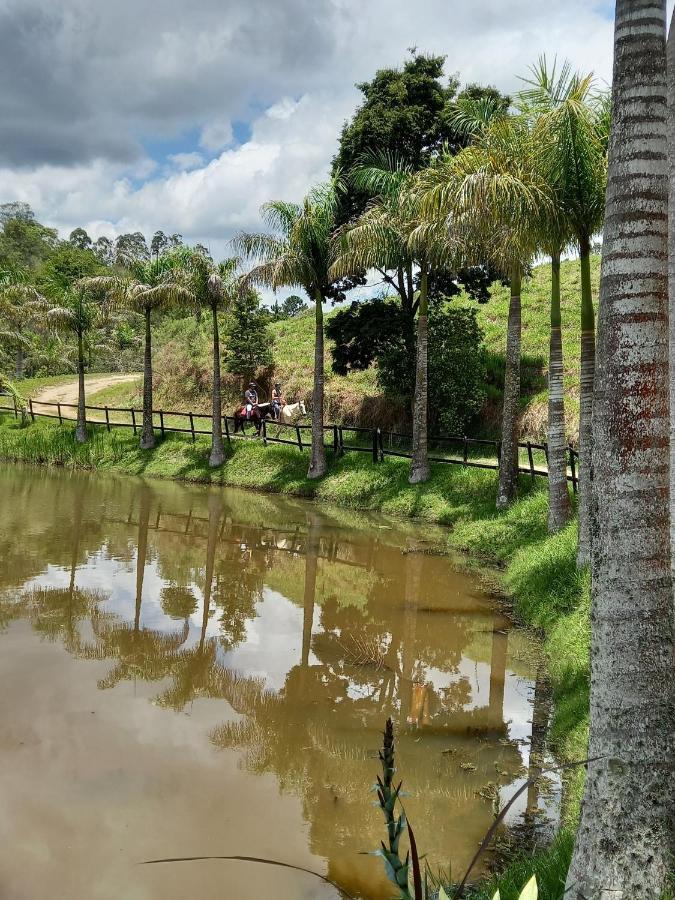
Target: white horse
[(291, 411)]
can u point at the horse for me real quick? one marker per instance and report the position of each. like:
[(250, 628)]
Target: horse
[(290, 411), (258, 413)]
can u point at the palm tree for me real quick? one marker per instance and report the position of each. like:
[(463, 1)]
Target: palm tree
[(297, 253), (79, 309), (570, 121), (21, 304), (147, 286), (213, 285), (390, 234), (493, 196), (624, 842)]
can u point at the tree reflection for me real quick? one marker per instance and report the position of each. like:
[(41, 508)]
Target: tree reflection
[(372, 637)]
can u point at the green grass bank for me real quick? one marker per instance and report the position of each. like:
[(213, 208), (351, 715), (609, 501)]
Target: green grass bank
[(537, 572)]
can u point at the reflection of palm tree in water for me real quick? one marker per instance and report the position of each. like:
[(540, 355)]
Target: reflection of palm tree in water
[(141, 652)]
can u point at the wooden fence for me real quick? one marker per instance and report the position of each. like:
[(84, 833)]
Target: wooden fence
[(464, 451)]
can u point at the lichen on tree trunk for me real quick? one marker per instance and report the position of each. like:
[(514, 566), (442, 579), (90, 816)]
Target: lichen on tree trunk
[(559, 505), (147, 432), (625, 838), (508, 467), (317, 465), (587, 377), (81, 427), (419, 468), (217, 449)]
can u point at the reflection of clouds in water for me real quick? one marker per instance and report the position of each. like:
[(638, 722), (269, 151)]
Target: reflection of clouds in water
[(273, 641)]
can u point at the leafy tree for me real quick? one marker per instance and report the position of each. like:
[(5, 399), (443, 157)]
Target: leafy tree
[(405, 115), (159, 243), (79, 238), (292, 306), (249, 343), (25, 243), (215, 287), (66, 264), (104, 250), (297, 252), (16, 210), (146, 287), (131, 247)]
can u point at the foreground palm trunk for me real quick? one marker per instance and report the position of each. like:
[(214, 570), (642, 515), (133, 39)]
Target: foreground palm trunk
[(147, 433), (624, 840), (670, 50), (587, 377), (317, 465), (559, 506), (508, 466), (419, 469), (81, 427), (217, 450)]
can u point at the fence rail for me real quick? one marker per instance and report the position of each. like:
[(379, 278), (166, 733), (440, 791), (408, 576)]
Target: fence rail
[(379, 444)]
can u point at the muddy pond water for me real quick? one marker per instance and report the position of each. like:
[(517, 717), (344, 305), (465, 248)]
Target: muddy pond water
[(204, 672)]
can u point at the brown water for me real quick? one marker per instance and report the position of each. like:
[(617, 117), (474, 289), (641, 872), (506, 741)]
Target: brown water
[(193, 672)]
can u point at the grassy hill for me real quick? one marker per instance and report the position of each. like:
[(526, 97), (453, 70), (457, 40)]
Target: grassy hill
[(183, 361)]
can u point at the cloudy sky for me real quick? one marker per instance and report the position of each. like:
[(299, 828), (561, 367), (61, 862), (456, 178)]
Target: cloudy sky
[(147, 114)]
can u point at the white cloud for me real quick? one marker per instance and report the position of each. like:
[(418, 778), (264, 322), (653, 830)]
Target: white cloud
[(186, 161), (216, 135), (294, 61)]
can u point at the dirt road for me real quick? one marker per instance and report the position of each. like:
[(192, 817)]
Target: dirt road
[(67, 393)]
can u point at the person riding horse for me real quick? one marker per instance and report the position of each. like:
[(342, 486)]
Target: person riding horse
[(278, 401), (251, 398)]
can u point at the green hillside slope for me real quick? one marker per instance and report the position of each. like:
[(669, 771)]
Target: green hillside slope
[(182, 352)]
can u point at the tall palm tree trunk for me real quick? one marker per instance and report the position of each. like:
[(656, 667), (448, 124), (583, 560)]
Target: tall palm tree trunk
[(508, 466), (217, 449), (586, 402), (317, 465), (624, 843), (81, 427), (419, 468), (147, 432), (670, 51), (559, 506)]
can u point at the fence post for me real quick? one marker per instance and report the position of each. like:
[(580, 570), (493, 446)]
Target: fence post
[(342, 440), (380, 441), (133, 419), (546, 452), (498, 448), (16, 414), (227, 431), (375, 453), (107, 418), (264, 433), (573, 466), (336, 441), (299, 436), (30, 406), (161, 421), (466, 450), (530, 458), (192, 427)]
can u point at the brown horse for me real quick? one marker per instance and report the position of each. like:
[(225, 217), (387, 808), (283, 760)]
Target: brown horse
[(258, 413)]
